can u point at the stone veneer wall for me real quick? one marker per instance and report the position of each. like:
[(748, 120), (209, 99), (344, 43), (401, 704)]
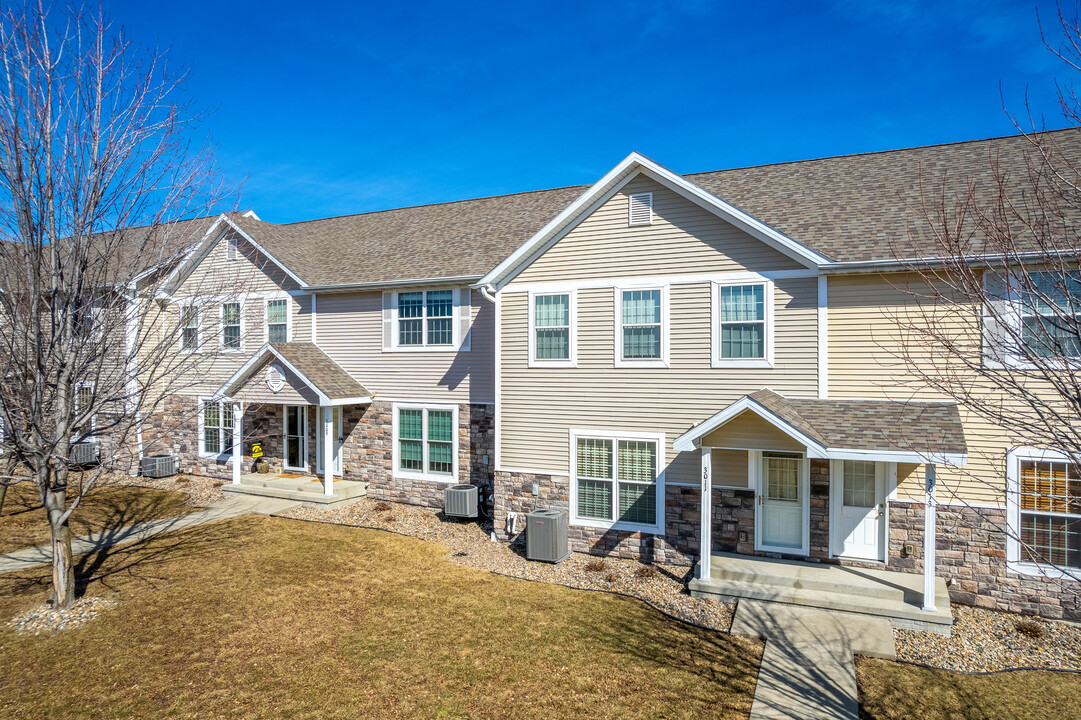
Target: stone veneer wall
[(970, 542), (367, 451)]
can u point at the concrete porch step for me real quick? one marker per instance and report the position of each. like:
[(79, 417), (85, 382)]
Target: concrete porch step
[(306, 490), (878, 593)]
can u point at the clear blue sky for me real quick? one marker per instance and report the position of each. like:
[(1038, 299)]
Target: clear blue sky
[(331, 108)]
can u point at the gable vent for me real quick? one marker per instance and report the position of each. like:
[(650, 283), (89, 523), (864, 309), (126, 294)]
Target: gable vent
[(230, 248), (641, 209)]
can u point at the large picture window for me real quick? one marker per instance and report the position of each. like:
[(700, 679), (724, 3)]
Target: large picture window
[(425, 442), (616, 480), (216, 427), (426, 317)]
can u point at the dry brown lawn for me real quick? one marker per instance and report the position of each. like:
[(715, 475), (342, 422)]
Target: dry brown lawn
[(892, 691), (23, 523), (266, 617)]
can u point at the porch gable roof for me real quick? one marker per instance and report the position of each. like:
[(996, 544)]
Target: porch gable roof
[(884, 430), (308, 365)]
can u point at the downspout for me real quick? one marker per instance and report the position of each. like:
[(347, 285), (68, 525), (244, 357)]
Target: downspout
[(486, 291), (132, 347)]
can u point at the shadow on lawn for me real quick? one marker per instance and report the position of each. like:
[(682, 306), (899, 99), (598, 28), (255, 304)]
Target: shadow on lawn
[(140, 560)]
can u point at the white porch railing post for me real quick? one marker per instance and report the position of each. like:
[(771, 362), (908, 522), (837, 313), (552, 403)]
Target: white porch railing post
[(238, 442), (929, 540), (706, 531), (328, 450)]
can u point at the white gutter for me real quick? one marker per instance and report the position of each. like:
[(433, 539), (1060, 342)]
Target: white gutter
[(988, 260), (486, 291), (455, 280)]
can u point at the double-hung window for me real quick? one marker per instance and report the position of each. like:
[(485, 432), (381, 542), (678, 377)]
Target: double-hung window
[(277, 321), (426, 318), (230, 327), (1051, 314), (189, 328), (1047, 520), (617, 480), (84, 398), (641, 327), (215, 428), (551, 335), (425, 442), (743, 333)]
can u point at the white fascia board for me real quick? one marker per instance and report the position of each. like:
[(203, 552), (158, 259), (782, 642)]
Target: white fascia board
[(426, 282), (364, 400), (955, 459), (688, 440), (184, 268), (245, 371), (635, 162), (266, 252)]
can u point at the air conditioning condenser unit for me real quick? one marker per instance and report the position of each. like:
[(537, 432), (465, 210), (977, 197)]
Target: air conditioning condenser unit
[(546, 535), (460, 501)]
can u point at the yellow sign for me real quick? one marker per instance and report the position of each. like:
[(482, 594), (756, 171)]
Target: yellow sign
[(257, 450)]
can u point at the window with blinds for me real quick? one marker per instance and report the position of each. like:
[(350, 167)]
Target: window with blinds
[(616, 480), (277, 319), (426, 318), (641, 324), (1050, 505), (216, 427), (1051, 314), (425, 442), (552, 327)]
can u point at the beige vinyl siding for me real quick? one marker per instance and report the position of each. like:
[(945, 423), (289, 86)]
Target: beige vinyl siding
[(864, 362), (684, 238), (349, 329), (750, 432), (540, 405), (295, 392), (728, 468), (250, 278)]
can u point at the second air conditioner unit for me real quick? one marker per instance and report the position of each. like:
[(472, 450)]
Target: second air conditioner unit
[(460, 501)]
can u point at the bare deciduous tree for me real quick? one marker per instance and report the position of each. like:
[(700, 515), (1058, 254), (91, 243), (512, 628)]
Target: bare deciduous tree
[(98, 188), (994, 318)]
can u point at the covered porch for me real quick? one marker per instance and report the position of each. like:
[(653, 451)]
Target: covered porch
[(297, 377), (792, 480)]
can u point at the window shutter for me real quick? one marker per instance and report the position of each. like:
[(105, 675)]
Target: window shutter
[(464, 310), (995, 337), (388, 320), (641, 209)]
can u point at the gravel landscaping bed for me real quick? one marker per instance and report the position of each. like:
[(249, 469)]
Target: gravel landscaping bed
[(986, 641), (46, 618), (468, 543), (201, 491)]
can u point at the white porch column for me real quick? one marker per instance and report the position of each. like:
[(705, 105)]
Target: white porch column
[(706, 531), (238, 442), (929, 541), (328, 450)]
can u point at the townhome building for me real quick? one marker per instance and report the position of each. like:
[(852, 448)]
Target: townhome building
[(698, 368)]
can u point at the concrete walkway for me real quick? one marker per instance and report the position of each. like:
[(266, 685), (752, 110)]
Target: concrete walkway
[(807, 671), (224, 510)]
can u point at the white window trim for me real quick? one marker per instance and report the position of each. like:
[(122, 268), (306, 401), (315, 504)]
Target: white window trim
[(397, 472), (572, 359), (221, 326), (630, 206), (716, 360), (288, 316), (1014, 563), (180, 305), (615, 436), (223, 407), (664, 360), (455, 343)]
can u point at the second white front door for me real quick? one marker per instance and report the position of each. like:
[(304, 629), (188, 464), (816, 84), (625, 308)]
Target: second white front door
[(336, 433), (858, 519), (782, 504)]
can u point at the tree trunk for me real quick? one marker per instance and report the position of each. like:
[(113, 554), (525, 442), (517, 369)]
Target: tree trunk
[(3, 494), (63, 595)]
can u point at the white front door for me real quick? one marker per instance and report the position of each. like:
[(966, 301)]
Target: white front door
[(296, 437), (336, 413), (859, 513), (782, 504)]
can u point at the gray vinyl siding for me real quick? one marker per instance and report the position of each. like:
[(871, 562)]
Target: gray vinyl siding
[(684, 238), (349, 329), (540, 405), (294, 392)]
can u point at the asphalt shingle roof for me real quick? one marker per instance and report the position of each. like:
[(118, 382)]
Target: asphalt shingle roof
[(321, 370), (848, 208), (920, 427)]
